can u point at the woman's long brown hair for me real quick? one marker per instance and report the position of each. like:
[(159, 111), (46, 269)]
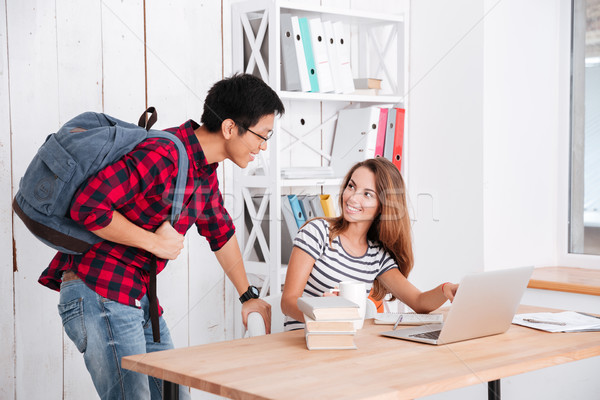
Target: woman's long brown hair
[(392, 226)]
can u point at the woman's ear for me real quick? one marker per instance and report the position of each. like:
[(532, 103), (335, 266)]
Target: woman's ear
[(228, 128)]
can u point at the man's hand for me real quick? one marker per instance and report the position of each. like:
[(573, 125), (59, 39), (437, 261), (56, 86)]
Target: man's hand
[(260, 306), (169, 242)]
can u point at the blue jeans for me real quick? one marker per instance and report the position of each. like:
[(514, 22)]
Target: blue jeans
[(105, 331)]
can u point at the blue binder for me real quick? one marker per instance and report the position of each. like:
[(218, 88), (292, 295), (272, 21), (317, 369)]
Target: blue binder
[(297, 210), (308, 53)]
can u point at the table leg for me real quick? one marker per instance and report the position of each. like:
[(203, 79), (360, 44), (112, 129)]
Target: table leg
[(170, 391), (494, 390)]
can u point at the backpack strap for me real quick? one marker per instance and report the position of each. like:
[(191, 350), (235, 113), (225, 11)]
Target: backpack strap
[(148, 123), (182, 165), (176, 208)]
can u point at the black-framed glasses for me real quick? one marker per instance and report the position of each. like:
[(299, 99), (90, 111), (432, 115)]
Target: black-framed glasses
[(264, 138)]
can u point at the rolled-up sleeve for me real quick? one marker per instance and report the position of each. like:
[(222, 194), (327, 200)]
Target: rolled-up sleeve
[(215, 223)]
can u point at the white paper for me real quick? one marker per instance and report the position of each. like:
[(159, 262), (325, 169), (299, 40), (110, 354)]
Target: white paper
[(566, 321)]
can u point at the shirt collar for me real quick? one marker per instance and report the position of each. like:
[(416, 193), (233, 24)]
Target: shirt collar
[(197, 157)]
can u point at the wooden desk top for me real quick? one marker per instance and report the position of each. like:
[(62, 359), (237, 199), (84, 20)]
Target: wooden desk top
[(279, 366), (566, 279)]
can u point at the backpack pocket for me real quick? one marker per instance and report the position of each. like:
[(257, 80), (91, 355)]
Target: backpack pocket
[(46, 177)]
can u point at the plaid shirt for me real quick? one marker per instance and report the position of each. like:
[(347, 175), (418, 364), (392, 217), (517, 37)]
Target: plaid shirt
[(139, 186)]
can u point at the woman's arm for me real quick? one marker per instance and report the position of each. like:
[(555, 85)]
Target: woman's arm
[(420, 302), (299, 269)]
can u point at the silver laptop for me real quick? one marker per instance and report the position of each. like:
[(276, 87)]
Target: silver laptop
[(484, 305)]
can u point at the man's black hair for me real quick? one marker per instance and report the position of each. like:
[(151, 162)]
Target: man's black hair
[(243, 98)]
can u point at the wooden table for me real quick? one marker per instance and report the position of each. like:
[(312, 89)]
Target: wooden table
[(279, 366)]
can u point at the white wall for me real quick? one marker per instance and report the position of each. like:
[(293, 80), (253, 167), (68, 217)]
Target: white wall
[(521, 132)]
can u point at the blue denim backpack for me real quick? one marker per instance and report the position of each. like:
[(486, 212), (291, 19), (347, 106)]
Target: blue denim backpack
[(80, 149)]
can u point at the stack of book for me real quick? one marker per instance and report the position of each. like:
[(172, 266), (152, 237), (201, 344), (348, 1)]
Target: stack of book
[(329, 322)]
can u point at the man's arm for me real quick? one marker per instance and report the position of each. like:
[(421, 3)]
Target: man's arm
[(165, 243), (230, 258)]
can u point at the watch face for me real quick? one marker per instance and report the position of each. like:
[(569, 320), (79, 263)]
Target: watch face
[(255, 291)]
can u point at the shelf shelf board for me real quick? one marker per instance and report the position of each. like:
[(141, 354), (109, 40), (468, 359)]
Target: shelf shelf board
[(383, 99), (311, 182), (360, 15)]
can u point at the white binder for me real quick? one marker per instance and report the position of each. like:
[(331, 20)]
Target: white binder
[(320, 54), (343, 52), (300, 57), (334, 61), (355, 138), (290, 79), (390, 132)]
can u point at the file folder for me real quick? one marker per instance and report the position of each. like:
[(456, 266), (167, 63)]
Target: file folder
[(315, 202), (334, 61), (381, 128), (317, 38), (327, 204), (300, 57), (290, 78), (296, 210), (399, 138), (343, 51), (307, 207), (309, 55), (388, 151), (355, 138)]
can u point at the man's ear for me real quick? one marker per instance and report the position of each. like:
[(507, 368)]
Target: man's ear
[(228, 128)]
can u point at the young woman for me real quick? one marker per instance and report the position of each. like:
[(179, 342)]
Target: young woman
[(369, 242)]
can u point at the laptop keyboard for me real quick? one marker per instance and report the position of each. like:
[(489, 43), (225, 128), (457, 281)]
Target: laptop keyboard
[(427, 335)]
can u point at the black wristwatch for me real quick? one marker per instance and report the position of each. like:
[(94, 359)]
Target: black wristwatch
[(251, 293)]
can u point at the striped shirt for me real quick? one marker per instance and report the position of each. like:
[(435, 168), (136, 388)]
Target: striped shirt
[(333, 264)]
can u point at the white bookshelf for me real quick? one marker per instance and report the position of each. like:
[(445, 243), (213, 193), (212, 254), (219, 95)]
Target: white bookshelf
[(303, 136)]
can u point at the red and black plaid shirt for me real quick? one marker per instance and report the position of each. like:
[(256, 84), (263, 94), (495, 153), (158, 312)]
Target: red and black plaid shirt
[(140, 187)]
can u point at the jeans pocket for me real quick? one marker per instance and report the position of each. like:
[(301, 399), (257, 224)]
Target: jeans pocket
[(71, 314)]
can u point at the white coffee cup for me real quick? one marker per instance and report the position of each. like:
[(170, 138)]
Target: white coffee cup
[(356, 292)]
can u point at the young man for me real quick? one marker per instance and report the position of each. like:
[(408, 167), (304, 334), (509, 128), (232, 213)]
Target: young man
[(104, 304)]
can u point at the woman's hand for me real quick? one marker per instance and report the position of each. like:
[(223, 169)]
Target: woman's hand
[(449, 290)]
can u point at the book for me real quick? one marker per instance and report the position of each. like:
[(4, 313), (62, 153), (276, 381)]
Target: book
[(334, 61), (367, 83), (380, 144), (300, 57), (355, 138), (327, 205), (311, 325), (306, 207), (408, 319), (309, 54), (330, 341), (328, 308), (342, 45), (398, 138), (297, 210), (290, 77), (315, 201), (366, 92), (317, 37), (566, 321), (388, 151)]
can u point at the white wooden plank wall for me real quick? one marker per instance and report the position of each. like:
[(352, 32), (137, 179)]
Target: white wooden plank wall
[(7, 323)]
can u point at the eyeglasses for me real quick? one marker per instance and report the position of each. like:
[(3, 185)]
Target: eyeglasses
[(264, 138)]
